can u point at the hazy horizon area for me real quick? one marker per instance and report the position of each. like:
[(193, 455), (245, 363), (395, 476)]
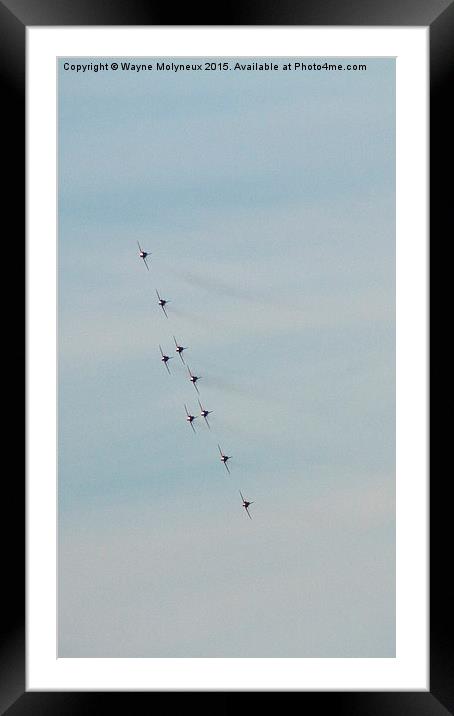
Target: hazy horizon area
[(267, 202)]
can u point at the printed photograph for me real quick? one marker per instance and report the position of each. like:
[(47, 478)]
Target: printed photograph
[(226, 357)]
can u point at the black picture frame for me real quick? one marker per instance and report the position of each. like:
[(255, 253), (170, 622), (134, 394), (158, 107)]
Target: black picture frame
[(15, 17)]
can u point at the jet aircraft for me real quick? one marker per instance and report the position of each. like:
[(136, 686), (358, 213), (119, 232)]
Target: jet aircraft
[(193, 378), (165, 359), (143, 255), (224, 459), (190, 418), (162, 302), (246, 504), (204, 413), (179, 349)]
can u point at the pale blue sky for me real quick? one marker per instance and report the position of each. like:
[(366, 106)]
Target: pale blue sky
[(268, 203)]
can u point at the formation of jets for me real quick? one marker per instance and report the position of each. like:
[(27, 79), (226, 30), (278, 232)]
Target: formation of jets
[(204, 413)]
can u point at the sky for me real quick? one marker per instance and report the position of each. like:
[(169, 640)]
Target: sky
[(267, 201)]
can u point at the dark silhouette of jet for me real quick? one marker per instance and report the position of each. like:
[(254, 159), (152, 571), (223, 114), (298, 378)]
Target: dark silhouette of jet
[(165, 359), (193, 378), (179, 349), (246, 504), (143, 255), (162, 302), (224, 459), (204, 413), (190, 418)]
